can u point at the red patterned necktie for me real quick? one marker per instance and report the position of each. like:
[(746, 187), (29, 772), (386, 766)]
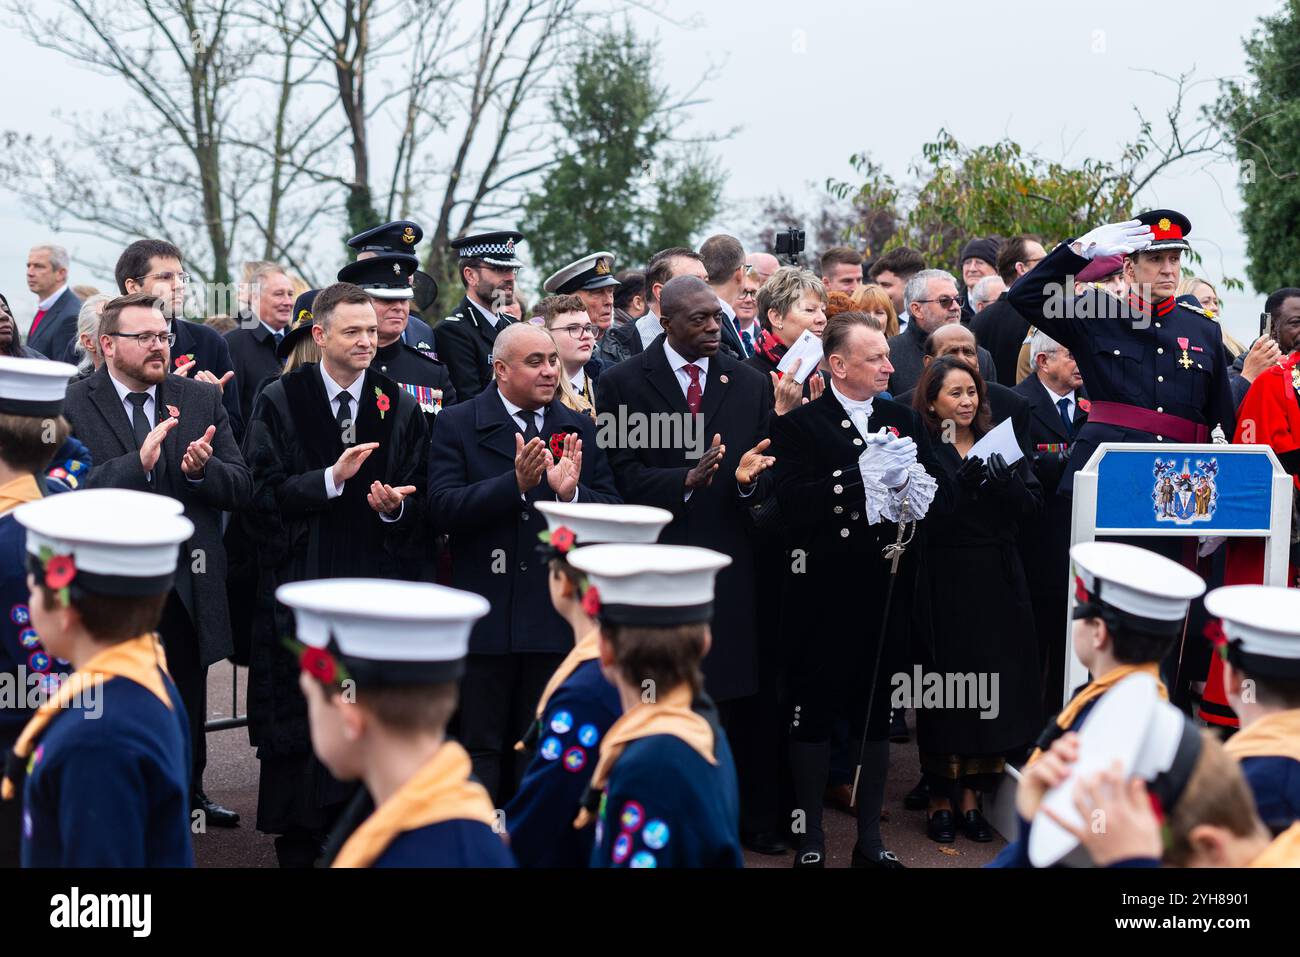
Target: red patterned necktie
[(693, 391), (35, 322)]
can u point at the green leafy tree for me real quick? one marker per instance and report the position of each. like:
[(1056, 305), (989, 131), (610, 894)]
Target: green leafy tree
[(1261, 117), (622, 182)]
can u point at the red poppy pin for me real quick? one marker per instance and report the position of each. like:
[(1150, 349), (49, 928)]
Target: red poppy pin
[(1218, 639), (181, 360), (60, 570), (591, 601), (892, 431), (1080, 590), (556, 444), (1085, 405), (381, 401), (319, 663), (174, 412), (562, 539)]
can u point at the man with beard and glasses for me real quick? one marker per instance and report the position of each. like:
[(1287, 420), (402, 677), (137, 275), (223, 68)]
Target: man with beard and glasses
[(154, 432)]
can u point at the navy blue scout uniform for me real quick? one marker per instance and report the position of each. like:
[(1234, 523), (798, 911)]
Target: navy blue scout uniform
[(377, 635), (1129, 588), (664, 792), (106, 761), (402, 236), (1155, 372), (1261, 640), (578, 705), (465, 336), (32, 388)]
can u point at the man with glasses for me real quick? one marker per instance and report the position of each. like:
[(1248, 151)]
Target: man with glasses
[(386, 279), (747, 310), (998, 326), (154, 266), (487, 266), (168, 434), (931, 300)]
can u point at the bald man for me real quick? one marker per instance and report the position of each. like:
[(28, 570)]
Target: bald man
[(762, 265), (492, 459)]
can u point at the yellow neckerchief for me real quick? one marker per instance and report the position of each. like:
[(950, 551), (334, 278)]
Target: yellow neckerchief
[(1098, 687), (440, 791), (588, 649), (1275, 735), (1282, 851), (671, 715), (18, 492), (137, 659)]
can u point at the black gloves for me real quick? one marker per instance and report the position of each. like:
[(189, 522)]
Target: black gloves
[(972, 473), (1000, 473)]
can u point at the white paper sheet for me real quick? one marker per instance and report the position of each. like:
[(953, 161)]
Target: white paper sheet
[(1002, 439), (808, 348)]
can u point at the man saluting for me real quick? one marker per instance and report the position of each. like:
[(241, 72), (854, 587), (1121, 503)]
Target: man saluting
[(1154, 366)]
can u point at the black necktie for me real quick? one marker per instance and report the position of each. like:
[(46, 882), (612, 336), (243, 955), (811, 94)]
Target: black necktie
[(345, 416), (1064, 405), (529, 421), (139, 421)]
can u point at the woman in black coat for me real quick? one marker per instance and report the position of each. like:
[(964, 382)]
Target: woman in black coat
[(979, 640)]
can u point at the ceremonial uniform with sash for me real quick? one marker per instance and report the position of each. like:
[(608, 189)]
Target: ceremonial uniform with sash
[(1259, 636), (385, 637), (664, 790), (107, 760), (1155, 372), (578, 705)]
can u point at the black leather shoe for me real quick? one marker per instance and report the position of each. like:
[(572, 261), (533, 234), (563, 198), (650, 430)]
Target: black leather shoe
[(942, 827), (880, 859), (765, 842), (898, 732), (812, 857), (976, 827), (213, 813), (918, 799)]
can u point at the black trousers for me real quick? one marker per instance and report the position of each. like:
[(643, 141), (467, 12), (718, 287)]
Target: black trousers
[(11, 821), (498, 699), (181, 642)]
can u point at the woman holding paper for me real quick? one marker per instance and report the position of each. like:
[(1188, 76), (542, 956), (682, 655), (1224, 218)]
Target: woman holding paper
[(790, 303), (975, 686)]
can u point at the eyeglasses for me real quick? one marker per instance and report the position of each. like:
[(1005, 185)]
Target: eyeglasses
[(748, 294), (147, 339), (945, 302), (578, 330), (169, 277)]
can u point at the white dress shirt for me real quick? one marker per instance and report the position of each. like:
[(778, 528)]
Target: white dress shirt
[(332, 391), (1057, 397), (678, 365), (579, 382), (149, 408), (49, 300), (539, 417), (490, 319), (648, 328), (859, 410)]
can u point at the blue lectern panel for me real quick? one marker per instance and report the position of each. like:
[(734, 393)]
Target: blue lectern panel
[(1215, 491)]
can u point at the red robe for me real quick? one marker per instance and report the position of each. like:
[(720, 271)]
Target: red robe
[(1269, 415)]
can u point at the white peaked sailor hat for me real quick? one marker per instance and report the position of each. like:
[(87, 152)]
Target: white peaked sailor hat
[(33, 387), (597, 523), (594, 271), (655, 585), (380, 631), (1146, 591), (105, 541), (1261, 628), (1150, 738)]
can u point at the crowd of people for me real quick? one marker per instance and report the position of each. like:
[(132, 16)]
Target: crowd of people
[(632, 577)]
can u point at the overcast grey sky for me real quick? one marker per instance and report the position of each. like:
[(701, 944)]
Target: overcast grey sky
[(811, 82)]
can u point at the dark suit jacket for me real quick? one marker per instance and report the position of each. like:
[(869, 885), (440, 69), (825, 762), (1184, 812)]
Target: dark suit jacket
[(1001, 330), (98, 419), (737, 403), (906, 351), (58, 326), (252, 353), (474, 498), (1046, 428)]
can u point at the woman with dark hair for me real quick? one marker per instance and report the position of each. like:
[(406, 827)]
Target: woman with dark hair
[(977, 701), (10, 342)]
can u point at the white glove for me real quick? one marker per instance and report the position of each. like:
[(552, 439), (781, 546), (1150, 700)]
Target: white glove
[(894, 455), (894, 477), (1113, 239)]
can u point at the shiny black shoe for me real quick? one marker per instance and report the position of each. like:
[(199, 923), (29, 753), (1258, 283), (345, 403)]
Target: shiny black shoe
[(918, 799), (976, 827), (813, 857), (881, 860), (898, 732), (214, 815), (765, 842), (942, 827)]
